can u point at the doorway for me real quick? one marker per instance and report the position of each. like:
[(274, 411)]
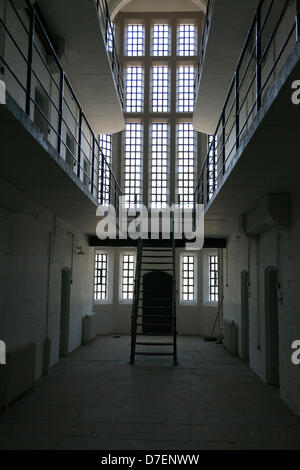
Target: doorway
[(271, 326), (157, 303), (65, 311), (244, 315)]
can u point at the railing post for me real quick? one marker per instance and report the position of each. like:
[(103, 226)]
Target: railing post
[(207, 178), (223, 142), (297, 20), (237, 109), (29, 59), (79, 143), (102, 177), (61, 104), (93, 166), (258, 57)]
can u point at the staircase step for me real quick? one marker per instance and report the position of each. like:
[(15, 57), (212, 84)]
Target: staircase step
[(154, 316), (154, 270), (142, 343), (154, 325), (156, 263), (153, 354), (163, 307), (156, 256)]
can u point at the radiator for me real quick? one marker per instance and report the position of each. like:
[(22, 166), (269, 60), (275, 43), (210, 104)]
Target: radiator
[(17, 375), (230, 340), (89, 328)]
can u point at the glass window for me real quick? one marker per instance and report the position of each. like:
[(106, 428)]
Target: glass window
[(100, 279), (128, 268), (135, 40), (185, 164), (160, 89), (188, 279), (213, 279), (161, 40), (159, 164), (187, 40), (185, 89), (105, 143), (134, 89), (133, 164)]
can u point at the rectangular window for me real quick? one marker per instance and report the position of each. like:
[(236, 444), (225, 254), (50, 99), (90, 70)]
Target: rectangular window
[(159, 165), (213, 164), (187, 40), (128, 268), (161, 40), (100, 284), (134, 89), (213, 287), (188, 279), (105, 159), (185, 164), (160, 89), (133, 164), (185, 88), (135, 40)]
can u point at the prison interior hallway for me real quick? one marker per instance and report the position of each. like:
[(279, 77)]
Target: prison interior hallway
[(93, 399)]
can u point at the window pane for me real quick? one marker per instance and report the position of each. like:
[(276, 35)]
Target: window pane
[(186, 40), (133, 164), (213, 279), (185, 164), (134, 89), (128, 267), (188, 275), (161, 40), (159, 164), (160, 89), (185, 89), (100, 284), (134, 44)]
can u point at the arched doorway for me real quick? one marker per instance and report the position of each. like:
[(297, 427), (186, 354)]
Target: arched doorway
[(157, 303)]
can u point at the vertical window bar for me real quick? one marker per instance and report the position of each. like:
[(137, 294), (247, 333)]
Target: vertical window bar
[(161, 40), (159, 165), (213, 279), (188, 279), (133, 164), (134, 89), (135, 40), (187, 40), (100, 284), (160, 89), (105, 142), (185, 164), (185, 89), (128, 267)]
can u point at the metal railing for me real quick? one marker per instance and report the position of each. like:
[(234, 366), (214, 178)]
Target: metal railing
[(273, 33), (36, 80), (203, 45), (108, 32)]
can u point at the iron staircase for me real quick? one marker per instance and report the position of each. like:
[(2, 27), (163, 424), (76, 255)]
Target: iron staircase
[(146, 323)]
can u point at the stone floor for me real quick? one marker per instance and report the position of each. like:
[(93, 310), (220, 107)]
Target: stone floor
[(94, 400)]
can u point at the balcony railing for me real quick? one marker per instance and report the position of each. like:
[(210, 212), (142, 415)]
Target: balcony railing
[(108, 32), (272, 36), (36, 80), (203, 45)]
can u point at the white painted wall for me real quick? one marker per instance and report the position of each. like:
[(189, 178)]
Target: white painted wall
[(24, 266), (281, 250)]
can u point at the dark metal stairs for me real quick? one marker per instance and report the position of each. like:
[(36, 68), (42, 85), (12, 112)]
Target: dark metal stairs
[(161, 259)]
